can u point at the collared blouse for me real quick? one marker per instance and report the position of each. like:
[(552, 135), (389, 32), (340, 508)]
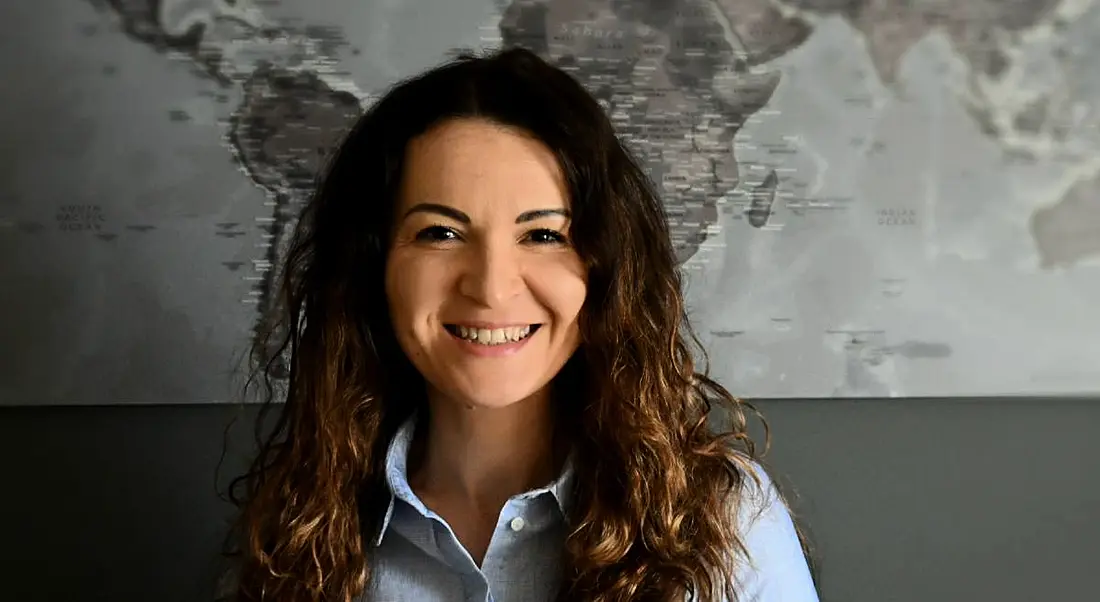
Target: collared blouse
[(416, 556)]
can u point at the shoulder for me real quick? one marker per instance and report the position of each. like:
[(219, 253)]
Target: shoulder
[(772, 567)]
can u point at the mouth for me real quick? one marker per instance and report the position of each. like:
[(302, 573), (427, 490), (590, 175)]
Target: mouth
[(492, 337)]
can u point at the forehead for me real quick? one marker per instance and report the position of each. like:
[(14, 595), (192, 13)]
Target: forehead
[(482, 167)]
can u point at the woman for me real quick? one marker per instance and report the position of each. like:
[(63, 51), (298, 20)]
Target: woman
[(491, 395)]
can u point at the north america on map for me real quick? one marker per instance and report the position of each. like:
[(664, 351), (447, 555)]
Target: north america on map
[(867, 198)]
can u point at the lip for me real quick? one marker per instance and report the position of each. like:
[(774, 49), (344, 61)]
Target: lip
[(502, 350), (492, 325)]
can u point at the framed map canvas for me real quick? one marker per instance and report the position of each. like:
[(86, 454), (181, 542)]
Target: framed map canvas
[(870, 198)]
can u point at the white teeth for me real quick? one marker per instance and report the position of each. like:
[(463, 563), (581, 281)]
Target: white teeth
[(495, 336)]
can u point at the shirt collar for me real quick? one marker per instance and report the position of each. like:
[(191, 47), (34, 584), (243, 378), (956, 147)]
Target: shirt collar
[(397, 456)]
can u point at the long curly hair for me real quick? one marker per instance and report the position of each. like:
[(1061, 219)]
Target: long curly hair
[(666, 449)]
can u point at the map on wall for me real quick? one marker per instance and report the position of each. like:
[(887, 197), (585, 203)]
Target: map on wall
[(869, 198)]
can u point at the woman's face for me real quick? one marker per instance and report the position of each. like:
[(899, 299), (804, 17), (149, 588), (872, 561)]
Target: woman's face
[(484, 287)]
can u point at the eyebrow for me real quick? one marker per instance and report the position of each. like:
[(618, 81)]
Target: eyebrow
[(459, 216)]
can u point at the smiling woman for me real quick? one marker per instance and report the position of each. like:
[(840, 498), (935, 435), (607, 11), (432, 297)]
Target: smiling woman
[(488, 271), (492, 394)]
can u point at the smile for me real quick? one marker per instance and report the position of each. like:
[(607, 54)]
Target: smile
[(492, 337)]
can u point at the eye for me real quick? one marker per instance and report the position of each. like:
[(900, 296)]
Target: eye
[(545, 236), (436, 234)]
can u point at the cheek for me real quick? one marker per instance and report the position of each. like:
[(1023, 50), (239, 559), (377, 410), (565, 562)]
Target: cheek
[(401, 293), (415, 285), (395, 285), (562, 290)]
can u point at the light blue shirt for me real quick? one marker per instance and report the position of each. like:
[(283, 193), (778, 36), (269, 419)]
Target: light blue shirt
[(417, 556)]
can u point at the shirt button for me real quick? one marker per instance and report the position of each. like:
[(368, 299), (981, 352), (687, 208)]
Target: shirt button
[(517, 524)]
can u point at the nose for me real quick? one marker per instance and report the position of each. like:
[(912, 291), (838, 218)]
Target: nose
[(492, 274)]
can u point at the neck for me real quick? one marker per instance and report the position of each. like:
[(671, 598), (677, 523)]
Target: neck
[(481, 457)]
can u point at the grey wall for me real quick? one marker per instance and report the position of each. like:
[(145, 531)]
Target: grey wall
[(908, 500)]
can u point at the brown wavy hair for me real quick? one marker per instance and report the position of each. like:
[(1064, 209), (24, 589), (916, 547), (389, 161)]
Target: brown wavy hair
[(658, 492)]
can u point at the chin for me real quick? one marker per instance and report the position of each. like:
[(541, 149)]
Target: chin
[(488, 398)]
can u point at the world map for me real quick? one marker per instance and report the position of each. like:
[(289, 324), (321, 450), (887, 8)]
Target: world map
[(868, 198)]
